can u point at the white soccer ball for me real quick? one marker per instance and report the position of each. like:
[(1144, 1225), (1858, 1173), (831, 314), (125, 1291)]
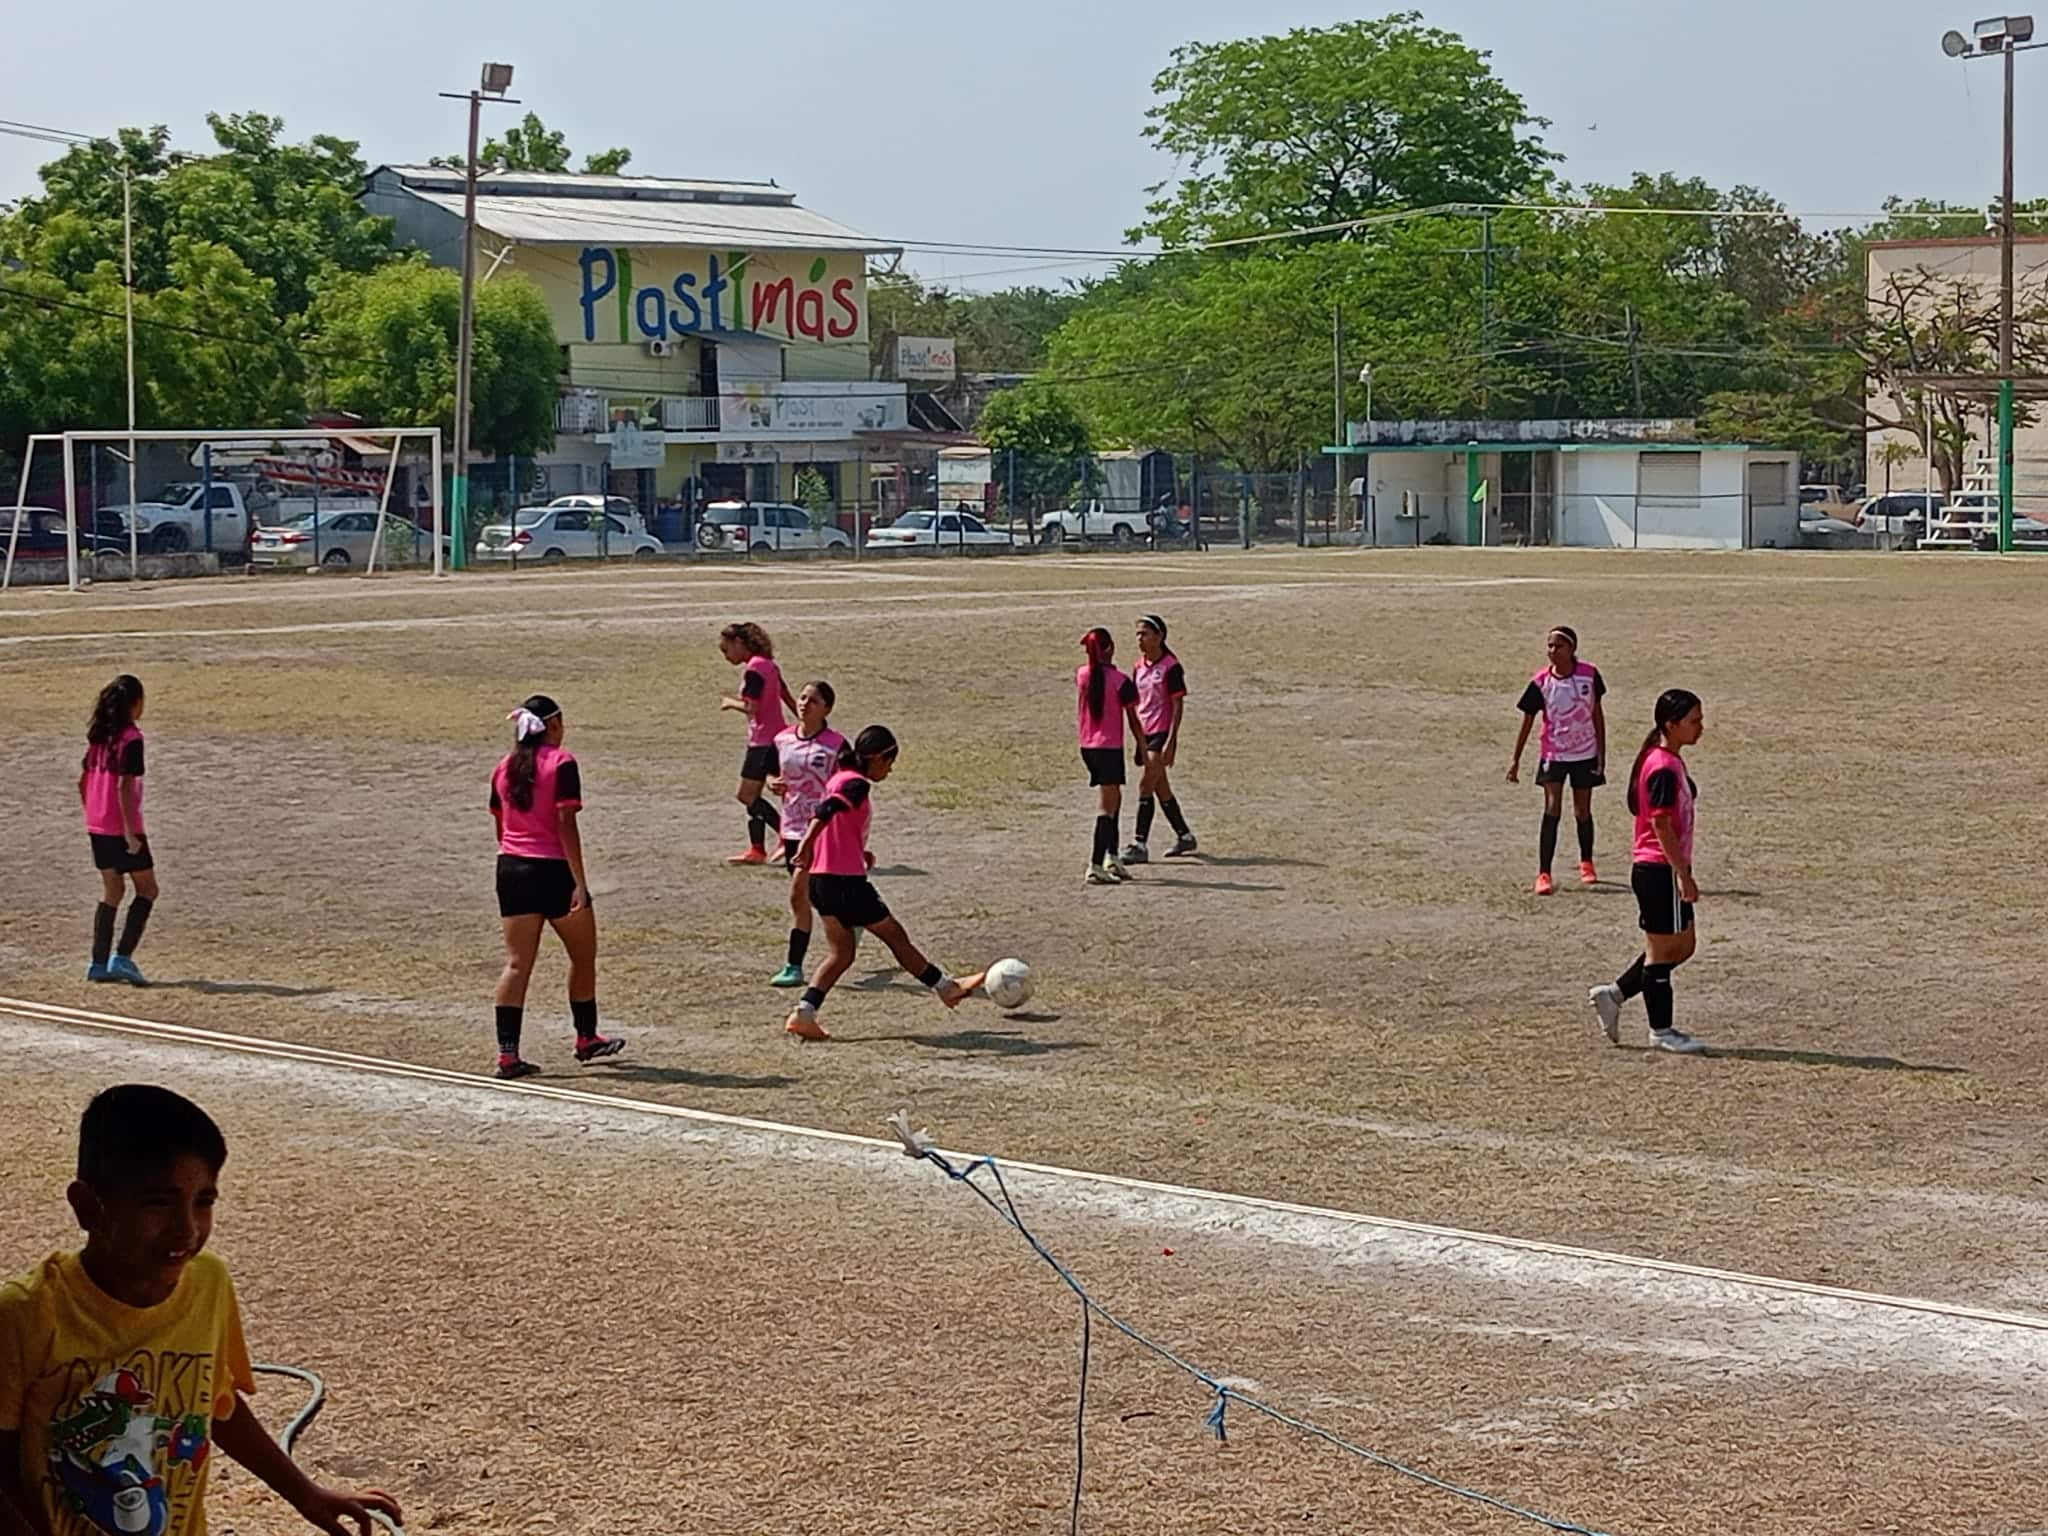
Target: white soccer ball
[(1009, 984)]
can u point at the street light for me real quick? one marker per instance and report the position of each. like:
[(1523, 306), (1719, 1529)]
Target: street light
[(2005, 35), (495, 81)]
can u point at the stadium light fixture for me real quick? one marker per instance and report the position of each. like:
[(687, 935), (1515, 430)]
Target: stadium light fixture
[(497, 79)]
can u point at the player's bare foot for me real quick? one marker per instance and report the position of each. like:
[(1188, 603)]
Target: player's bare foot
[(803, 1023), (956, 990)]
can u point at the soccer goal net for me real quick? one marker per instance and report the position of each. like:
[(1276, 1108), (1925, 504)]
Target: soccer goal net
[(116, 505)]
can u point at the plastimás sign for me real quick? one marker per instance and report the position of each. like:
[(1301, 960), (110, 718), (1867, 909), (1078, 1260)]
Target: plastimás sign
[(926, 357), (661, 295)]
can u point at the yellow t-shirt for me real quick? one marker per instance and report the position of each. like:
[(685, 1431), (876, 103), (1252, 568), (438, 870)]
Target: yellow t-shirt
[(115, 1404)]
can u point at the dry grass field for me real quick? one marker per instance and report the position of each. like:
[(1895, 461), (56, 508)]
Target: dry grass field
[(555, 1318)]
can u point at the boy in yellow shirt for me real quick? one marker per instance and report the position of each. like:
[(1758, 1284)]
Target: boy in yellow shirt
[(123, 1365)]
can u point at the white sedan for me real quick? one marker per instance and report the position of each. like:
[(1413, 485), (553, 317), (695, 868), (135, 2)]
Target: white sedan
[(943, 530), (566, 533)]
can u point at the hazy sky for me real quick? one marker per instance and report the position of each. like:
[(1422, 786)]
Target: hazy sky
[(1018, 125)]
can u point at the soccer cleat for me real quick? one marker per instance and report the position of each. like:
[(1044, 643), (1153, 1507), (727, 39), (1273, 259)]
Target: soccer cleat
[(788, 976), (1182, 846), (1545, 885), (97, 971), (1116, 869), (1137, 853), (1098, 875), (1676, 1041), (1588, 875), (803, 1023), (751, 856), (511, 1067), (123, 968), (596, 1046), (1607, 1000)]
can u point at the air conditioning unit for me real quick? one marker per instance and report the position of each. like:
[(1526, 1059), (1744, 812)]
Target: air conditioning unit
[(661, 346)]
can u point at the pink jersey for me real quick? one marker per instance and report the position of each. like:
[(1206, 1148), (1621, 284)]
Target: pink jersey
[(105, 767), (536, 832), (1107, 729), (1569, 734), (1159, 684), (1663, 787), (761, 681), (808, 763), (842, 844)]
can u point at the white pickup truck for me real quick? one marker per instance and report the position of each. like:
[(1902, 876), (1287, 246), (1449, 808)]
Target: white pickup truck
[(1091, 520), (177, 519)]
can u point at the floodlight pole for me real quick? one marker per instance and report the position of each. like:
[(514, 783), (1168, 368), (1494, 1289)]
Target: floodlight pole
[(128, 295), (496, 78), (2007, 236)]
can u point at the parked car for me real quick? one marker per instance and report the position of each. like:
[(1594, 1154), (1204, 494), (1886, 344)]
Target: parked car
[(945, 530), (766, 528), (1901, 515), (42, 534), (1973, 515), (1817, 522), (566, 533), (617, 506), (332, 539), (1091, 520)]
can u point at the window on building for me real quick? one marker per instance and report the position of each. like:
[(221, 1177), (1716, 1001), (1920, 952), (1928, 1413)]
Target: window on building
[(1770, 484), (1668, 479)]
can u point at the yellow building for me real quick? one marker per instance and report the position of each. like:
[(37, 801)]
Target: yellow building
[(714, 335)]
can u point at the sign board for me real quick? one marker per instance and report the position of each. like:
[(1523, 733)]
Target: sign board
[(798, 409), (610, 295), (926, 357), (841, 452), (1455, 434), (632, 447)]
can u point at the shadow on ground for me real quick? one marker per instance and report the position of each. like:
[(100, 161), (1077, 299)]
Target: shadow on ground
[(1817, 1059), (684, 1077), (983, 1042), (239, 988)]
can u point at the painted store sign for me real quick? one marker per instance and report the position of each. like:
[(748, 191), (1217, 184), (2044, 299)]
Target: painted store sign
[(637, 296)]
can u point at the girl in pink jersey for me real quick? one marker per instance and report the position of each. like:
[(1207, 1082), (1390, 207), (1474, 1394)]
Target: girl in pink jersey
[(762, 697), (1162, 700), (110, 789), (1107, 703), (834, 854), (809, 755), (1661, 794), (1566, 693), (536, 793)]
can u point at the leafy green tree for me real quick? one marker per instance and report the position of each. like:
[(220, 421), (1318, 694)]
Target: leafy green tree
[(533, 146), (1001, 332), (1326, 124), (386, 343), (1040, 427)]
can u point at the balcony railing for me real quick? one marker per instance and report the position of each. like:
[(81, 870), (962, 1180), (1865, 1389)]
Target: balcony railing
[(587, 412)]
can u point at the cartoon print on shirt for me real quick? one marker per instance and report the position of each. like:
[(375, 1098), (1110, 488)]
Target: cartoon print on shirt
[(105, 1453)]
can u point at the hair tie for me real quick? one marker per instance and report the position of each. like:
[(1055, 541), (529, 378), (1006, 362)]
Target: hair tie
[(526, 723), (1154, 622)]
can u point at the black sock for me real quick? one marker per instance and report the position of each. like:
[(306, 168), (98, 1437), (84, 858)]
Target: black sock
[(1105, 840), (509, 1022), (930, 976), (1174, 819), (799, 941), (1546, 844), (814, 998), (102, 933), (585, 1015), (1146, 806), (1657, 996), (1586, 841), (1630, 983), (131, 931), (760, 817)]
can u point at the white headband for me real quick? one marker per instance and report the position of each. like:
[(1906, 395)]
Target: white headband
[(526, 723)]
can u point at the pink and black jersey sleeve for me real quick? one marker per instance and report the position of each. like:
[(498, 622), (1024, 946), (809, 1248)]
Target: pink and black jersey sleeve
[(1127, 692), (568, 783)]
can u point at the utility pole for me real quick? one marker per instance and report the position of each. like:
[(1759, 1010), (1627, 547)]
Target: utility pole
[(1635, 357), (128, 296), (496, 80), (1486, 251), (1337, 401)]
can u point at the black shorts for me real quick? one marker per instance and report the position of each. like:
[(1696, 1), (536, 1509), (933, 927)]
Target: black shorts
[(1658, 905), (1105, 764), (110, 851), (1579, 772), (852, 899), (534, 887), (1155, 743), (761, 763)]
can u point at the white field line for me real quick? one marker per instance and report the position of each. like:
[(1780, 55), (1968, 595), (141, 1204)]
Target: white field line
[(28, 1011), (808, 609)]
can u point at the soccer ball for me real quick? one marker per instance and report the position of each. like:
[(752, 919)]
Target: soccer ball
[(1009, 984)]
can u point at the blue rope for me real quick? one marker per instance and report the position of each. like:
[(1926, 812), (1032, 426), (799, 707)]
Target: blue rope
[(1006, 1208)]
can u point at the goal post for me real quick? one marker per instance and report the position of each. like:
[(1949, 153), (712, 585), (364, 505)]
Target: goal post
[(386, 445)]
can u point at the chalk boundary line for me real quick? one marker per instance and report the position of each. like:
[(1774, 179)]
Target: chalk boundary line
[(28, 1011)]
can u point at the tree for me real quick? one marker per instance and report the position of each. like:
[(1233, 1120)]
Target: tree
[(1323, 125), (533, 146), (386, 343), (1042, 432), (1001, 332)]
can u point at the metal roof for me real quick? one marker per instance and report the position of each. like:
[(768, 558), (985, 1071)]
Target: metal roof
[(536, 209)]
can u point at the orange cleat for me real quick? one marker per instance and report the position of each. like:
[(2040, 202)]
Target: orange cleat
[(1588, 875), (751, 856), (1545, 885)]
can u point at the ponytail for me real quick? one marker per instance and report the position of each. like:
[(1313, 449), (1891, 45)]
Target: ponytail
[(874, 741), (530, 730), (1100, 648), (1673, 705), (113, 712)]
